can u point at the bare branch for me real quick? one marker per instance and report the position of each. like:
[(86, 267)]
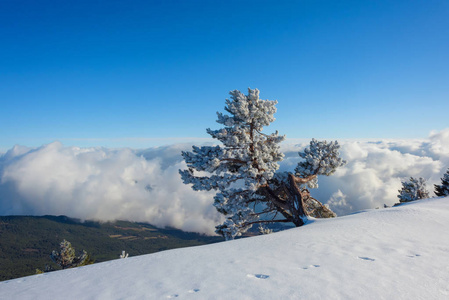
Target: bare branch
[(267, 221), (234, 160), (301, 180)]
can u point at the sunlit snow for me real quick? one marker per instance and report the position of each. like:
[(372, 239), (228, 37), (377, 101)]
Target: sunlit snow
[(392, 253)]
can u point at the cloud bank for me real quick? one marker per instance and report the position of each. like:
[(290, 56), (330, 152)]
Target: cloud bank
[(103, 184), (144, 185)]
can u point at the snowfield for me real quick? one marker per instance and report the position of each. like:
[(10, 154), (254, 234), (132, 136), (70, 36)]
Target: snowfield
[(393, 253)]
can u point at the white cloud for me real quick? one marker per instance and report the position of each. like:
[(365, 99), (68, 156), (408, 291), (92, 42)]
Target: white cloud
[(144, 185), (103, 184), (339, 203), (375, 170)]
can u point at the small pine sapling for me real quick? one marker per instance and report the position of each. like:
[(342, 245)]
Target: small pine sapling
[(414, 189), (443, 189), (124, 254), (264, 230), (66, 257)]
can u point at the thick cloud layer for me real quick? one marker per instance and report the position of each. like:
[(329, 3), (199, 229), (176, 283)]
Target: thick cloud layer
[(103, 184), (375, 170), (144, 185)]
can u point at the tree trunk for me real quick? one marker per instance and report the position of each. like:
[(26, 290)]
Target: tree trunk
[(296, 203), (293, 203)]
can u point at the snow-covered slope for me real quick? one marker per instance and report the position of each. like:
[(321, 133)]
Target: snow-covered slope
[(394, 253)]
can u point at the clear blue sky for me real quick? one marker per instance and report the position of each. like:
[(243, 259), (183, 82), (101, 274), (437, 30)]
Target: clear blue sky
[(139, 73)]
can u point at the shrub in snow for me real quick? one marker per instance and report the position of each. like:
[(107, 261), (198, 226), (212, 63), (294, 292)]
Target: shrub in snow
[(412, 190), (264, 230), (443, 189), (243, 169), (124, 254), (47, 269), (66, 258)]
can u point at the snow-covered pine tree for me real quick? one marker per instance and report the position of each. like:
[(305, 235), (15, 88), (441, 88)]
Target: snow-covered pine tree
[(412, 190), (243, 169), (246, 161), (66, 258), (443, 189)]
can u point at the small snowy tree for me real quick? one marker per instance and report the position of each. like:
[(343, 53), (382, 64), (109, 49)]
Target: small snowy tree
[(264, 230), (66, 258), (443, 189), (243, 169), (412, 190)]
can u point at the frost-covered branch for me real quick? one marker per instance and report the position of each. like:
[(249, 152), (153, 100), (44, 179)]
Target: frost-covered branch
[(320, 158)]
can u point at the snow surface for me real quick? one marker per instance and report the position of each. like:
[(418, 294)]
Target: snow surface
[(394, 253)]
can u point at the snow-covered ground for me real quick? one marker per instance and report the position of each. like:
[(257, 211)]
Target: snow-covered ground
[(394, 253)]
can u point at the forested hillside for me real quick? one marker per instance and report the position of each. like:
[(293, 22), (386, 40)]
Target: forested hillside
[(26, 242)]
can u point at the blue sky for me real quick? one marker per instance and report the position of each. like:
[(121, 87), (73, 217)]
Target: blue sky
[(144, 73)]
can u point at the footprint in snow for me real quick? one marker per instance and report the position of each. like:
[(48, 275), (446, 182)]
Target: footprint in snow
[(258, 276), (311, 266), (190, 292), (413, 256), (366, 258)]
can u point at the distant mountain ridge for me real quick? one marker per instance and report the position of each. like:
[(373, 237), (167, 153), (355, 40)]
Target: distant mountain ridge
[(27, 241)]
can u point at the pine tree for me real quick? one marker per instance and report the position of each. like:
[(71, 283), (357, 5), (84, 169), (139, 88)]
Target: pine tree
[(66, 258), (443, 189), (243, 169), (414, 189)]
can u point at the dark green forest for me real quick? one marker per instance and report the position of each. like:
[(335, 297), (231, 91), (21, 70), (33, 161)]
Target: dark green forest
[(26, 242)]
